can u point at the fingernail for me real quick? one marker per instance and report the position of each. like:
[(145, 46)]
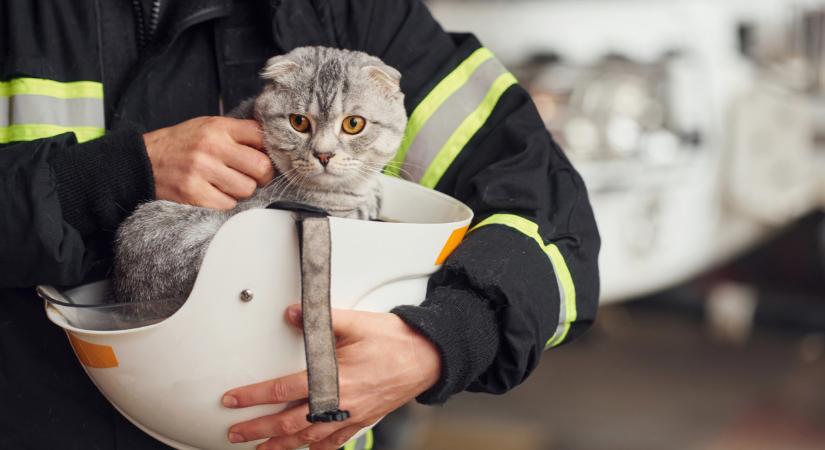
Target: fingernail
[(229, 401), (235, 438)]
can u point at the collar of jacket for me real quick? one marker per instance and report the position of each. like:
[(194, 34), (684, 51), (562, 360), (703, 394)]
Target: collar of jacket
[(299, 23), (180, 16)]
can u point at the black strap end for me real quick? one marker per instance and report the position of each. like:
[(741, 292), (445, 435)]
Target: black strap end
[(328, 416)]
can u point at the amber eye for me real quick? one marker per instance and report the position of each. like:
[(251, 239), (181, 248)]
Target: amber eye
[(299, 122), (353, 124)]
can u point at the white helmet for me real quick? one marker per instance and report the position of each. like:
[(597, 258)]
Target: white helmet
[(168, 377)]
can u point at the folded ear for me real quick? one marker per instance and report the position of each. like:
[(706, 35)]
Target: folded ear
[(278, 68), (386, 78)]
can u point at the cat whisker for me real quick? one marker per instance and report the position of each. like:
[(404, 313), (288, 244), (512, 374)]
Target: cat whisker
[(281, 175), (283, 180), (399, 165), (380, 169), (279, 193), (277, 183), (364, 174), (298, 182), (303, 191), (274, 180)]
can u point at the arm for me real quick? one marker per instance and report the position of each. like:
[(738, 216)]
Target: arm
[(526, 277), (63, 201), (56, 194)]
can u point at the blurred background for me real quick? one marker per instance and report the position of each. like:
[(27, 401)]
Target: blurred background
[(699, 127)]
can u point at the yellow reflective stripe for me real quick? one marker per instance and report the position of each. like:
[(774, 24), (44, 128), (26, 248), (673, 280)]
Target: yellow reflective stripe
[(365, 442), (466, 130), (51, 88), (566, 279), (563, 276), (29, 132), (524, 226), (22, 87), (445, 88)]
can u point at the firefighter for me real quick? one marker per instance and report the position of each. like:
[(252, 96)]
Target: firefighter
[(104, 104)]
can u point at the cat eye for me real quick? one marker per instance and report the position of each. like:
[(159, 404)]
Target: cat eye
[(353, 124), (299, 122)]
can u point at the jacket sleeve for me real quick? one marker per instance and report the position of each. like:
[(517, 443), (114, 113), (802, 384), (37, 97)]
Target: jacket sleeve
[(57, 195), (525, 278)]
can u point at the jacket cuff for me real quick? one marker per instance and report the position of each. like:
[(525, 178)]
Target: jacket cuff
[(463, 327), (100, 182)]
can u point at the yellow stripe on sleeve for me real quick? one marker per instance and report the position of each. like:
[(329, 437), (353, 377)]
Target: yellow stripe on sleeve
[(30, 132), (466, 131), (447, 87), (567, 313), (51, 88)]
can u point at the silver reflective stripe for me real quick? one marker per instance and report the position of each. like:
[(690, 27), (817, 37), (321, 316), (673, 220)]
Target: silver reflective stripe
[(37, 108), (41, 109), (444, 122), (561, 329), (361, 443)]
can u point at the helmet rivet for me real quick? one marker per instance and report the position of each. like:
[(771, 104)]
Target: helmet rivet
[(247, 294)]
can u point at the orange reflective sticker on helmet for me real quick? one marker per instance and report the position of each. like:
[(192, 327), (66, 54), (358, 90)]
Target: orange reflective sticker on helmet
[(452, 242), (93, 355)]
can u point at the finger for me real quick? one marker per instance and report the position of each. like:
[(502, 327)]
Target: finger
[(209, 196), (250, 162), (246, 132), (285, 423), (337, 439), (280, 390), (231, 182), (310, 435), (221, 201), (347, 322), (293, 315)]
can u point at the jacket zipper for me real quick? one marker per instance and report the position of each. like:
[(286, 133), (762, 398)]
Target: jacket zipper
[(146, 31), (147, 60)]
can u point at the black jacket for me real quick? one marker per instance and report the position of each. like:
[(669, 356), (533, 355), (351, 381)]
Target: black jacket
[(523, 280)]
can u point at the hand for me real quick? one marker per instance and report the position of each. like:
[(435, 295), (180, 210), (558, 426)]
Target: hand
[(382, 364), (208, 161)]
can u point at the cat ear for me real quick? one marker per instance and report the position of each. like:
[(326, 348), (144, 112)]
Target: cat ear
[(385, 77), (277, 68)]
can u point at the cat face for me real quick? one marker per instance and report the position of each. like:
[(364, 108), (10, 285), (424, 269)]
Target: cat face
[(331, 118)]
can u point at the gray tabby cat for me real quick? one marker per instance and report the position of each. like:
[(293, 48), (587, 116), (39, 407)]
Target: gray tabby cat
[(331, 120)]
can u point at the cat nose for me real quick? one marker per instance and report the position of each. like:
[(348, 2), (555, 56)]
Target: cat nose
[(324, 157)]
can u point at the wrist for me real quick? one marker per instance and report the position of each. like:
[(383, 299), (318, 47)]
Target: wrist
[(151, 140), (426, 356), (101, 181), (463, 329)]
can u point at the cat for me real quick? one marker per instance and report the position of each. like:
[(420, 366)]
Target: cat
[(331, 120)]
